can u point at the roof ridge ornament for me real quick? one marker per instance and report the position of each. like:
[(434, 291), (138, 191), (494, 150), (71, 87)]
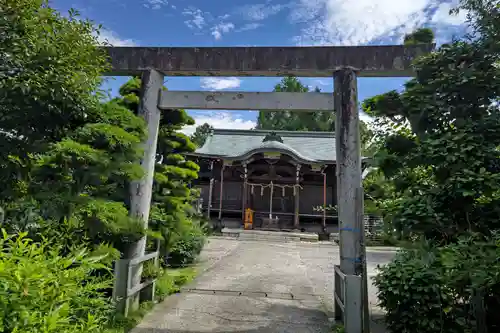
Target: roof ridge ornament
[(272, 136)]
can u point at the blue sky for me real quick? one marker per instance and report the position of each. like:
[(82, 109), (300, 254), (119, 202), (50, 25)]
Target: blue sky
[(263, 23)]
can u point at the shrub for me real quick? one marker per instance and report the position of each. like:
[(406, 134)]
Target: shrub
[(43, 291), (410, 289), (438, 290), (472, 272), (187, 247)]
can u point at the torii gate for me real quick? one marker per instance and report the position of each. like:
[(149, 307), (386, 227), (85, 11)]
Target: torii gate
[(343, 64)]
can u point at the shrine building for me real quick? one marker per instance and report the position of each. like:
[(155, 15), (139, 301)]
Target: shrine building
[(282, 176)]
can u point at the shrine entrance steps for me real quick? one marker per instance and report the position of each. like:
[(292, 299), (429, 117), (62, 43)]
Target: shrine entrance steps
[(271, 236)]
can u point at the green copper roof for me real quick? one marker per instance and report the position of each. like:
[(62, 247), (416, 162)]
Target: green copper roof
[(240, 144)]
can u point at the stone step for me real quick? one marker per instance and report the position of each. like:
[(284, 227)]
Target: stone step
[(275, 236)]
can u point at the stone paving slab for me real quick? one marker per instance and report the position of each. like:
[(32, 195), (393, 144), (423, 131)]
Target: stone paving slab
[(297, 278)]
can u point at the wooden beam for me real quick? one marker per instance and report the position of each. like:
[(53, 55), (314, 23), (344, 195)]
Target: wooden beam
[(311, 101), (305, 61)]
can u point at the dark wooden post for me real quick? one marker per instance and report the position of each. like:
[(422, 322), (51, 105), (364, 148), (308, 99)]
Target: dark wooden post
[(210, 189), (244, 196), (221, 189), (296, 220)]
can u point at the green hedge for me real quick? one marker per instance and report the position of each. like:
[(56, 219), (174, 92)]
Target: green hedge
[(431, 290)]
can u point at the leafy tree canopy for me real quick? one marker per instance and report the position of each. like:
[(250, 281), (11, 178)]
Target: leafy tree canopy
[(65, 155), (295, 121), (201, 133), (440, 144)]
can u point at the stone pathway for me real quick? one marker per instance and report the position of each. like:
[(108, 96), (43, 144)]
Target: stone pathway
[(251, 286)]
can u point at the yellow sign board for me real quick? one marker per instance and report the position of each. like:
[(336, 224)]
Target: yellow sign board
[(248, 219)]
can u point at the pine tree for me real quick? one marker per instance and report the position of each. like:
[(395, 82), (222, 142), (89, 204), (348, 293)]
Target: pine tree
[(172, 213)]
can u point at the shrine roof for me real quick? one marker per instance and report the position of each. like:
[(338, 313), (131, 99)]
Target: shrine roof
[(306, 147)]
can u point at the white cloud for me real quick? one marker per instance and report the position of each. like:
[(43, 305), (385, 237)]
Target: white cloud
[(358, 22), (197, 18), (214, 83), (220, 29), (442, 14), (347, 22), (110, 37), (222, 119), (249, 26), (364, 117), (155, 4), (259, 12)]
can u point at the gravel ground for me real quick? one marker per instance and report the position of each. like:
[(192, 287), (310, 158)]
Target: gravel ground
[(259, 287)]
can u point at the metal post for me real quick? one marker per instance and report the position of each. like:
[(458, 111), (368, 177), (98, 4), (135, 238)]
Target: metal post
[(350, 209), (141, 191), (324, 199)]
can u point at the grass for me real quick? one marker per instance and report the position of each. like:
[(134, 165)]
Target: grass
[(338, 329), (121, 324), (172, 280)]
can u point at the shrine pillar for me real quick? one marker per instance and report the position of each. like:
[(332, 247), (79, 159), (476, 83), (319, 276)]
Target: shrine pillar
[(223, 167), (296, 192), (245, 191), (210, 189)]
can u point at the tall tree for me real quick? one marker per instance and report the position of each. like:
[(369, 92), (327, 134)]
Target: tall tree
[(441, 149), (419, 36), (295, 121), (201, 133), (64, 154), (50, 70)]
